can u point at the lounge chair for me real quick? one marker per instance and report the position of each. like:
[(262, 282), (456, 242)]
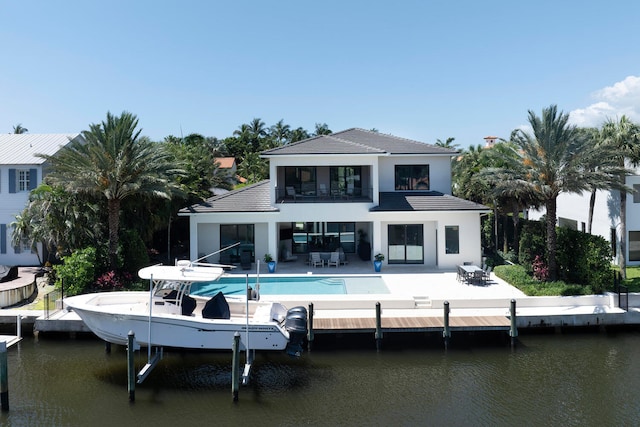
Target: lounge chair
[(316, 260), (334, 260), (291, 192)]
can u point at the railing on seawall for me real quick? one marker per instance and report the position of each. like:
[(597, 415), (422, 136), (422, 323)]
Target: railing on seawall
[(52, 303)]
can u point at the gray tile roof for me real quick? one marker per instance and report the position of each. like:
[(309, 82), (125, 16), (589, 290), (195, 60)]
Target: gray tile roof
[(357, 141), (424, 201), (252, 198), (20, 149), (255, 198)]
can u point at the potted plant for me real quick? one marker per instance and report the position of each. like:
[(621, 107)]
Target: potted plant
[(270, 263), (377, 264)]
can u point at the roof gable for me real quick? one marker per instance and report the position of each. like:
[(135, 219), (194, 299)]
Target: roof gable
[(357, 141), (21, 149)]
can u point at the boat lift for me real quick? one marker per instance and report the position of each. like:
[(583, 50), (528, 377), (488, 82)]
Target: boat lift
[(152, 361)]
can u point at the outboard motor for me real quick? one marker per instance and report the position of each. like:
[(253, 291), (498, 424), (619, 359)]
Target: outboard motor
[(296, 324)]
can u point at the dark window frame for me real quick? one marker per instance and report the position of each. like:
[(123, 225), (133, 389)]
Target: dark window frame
[(412, 178)]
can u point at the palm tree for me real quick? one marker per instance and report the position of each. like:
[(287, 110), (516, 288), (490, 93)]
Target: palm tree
[(322, 129), (298, 134), (280, 132), (19, 129), (447, 144), (116, 164), (623, 137), (553, 161)]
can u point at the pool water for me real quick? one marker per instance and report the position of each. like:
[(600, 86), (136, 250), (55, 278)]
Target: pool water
[(294, 285)]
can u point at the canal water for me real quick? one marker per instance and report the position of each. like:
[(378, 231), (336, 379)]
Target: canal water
[(563, 379)]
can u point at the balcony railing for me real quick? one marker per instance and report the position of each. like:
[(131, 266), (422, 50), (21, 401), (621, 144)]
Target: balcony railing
[(356, 195)]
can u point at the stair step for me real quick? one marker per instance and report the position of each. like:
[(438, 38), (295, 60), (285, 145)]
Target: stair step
[(422, 301)]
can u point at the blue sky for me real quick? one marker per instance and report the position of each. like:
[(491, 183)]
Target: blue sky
[(424, 70)]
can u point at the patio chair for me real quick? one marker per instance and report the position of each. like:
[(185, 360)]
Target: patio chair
[(316, 260), (478, 277), (350, 190), (334, 260), (487, 274), (291, 192)]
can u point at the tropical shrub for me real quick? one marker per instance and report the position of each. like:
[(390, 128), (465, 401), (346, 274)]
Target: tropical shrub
[(77, 271), (517, 276)]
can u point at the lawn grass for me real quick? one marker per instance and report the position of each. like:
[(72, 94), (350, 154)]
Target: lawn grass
[(633, 279)]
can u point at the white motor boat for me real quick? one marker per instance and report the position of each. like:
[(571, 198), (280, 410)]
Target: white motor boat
[(168, 316)]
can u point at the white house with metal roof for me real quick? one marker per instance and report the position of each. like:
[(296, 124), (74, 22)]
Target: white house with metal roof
[(20, 172), (358, 192)]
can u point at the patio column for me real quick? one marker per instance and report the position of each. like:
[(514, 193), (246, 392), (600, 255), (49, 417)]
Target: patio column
[(272, 236), (376, 237)]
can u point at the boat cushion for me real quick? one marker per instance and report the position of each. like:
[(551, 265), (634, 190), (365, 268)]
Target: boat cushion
[(216, 308), (187, 305)]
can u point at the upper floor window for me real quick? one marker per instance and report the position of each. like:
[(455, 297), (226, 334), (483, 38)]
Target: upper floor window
[(23, 180), (412, 177), (346, 180), (636, 193), (301, 178)]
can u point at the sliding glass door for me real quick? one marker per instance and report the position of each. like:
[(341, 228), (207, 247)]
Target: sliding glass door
[(406, 244)]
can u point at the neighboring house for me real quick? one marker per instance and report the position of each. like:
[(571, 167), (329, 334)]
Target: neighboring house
[(573, 212), (20, 172), (325, 191)]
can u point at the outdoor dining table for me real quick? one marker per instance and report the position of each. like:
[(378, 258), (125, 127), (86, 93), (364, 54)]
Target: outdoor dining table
[(468, 272)]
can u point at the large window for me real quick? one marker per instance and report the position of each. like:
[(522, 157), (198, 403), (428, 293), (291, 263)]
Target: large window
[(346, 180), (452, 239), (636, 193), (301, 178), (323, 237), (412, 177), (234, 233), (634, 246), (406, 244)]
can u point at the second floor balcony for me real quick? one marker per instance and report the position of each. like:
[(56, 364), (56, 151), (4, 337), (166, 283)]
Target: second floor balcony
[(322, 194)]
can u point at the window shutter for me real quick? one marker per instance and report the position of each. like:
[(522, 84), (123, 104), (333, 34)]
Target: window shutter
[(33, 178), (12, 180), (3, 238)]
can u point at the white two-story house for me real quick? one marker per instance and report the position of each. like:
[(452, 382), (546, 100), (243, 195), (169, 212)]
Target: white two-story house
[(20, 172), (356, 191)]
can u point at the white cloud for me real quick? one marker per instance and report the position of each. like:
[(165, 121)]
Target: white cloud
[(612, 102)]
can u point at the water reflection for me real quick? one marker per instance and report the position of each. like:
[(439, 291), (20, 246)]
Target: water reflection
[(570, 379)]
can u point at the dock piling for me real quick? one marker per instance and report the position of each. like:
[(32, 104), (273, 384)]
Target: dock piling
[(513, 331), (4, 378), (131, 371), (378, 327), (235, 367), (310, 327), (446, 333)]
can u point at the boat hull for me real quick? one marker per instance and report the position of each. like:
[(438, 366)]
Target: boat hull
[(112, 316)]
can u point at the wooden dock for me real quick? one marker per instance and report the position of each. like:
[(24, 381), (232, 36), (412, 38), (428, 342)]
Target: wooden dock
[(410, 324)]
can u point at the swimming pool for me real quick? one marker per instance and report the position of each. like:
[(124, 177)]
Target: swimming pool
[(294, 285)]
